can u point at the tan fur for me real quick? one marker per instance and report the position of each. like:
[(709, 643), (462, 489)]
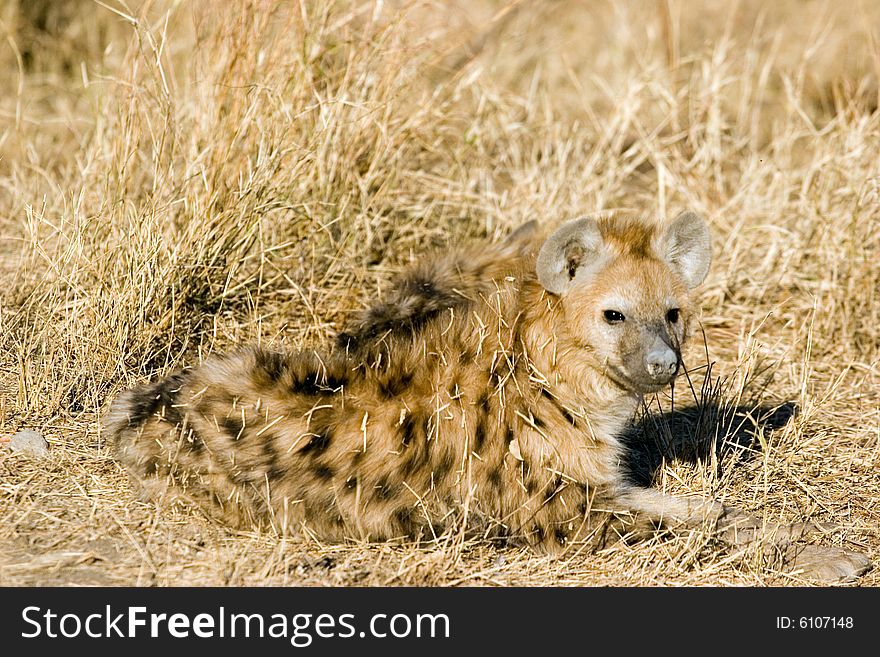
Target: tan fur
[(471, 394)]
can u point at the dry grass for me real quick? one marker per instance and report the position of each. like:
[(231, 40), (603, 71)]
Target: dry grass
[(181, 177)]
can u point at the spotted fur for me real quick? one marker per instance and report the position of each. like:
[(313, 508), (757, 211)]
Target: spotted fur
[(470, 394)]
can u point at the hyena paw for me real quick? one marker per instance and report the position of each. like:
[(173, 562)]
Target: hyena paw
[(830, 565)]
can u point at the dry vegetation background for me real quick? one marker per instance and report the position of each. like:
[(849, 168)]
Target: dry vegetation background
[(179, 177)]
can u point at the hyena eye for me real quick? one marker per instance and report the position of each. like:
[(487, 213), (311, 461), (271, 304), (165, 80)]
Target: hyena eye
[(613, 316), (672, 316)]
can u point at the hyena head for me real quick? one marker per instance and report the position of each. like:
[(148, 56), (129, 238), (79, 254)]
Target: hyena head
[(624, 286)]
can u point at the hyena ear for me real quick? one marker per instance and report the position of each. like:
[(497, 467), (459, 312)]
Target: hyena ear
[(687, 246), (523, 232), (523, 238), (570, 255)]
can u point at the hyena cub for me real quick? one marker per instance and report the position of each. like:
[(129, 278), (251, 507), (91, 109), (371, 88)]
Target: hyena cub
[(491, 388)]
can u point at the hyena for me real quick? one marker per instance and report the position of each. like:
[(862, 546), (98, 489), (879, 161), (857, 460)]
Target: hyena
[(491, 388)]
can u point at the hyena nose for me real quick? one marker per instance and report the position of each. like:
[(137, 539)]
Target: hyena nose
[(662, 363)]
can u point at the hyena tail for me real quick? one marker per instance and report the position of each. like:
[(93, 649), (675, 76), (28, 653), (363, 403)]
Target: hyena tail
[(140, 423)]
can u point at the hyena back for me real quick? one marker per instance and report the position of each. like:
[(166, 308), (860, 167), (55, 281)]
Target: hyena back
[(491, 388)]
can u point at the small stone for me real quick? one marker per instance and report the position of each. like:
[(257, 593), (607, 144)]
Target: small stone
[(500, 560), (29, 442)]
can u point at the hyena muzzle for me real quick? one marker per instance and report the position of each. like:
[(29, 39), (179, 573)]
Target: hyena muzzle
[(490, 388)]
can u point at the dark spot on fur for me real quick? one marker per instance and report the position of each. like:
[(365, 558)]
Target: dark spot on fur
[(307, 384), (442, 469), (385, 490), (269, 453), (171, 415), (495, 477), (233, 427), (142, 405), (584, 492), (494, 378), (415, 460), (554, 489), (270, 366), (335, 382), (404, 518), (323, 472), (318, 443), (346, 341), (408, 429), (482, 419), (499, 536), (562, 410), (394, 386), (311, 376), (480, 435), (538, 532), (275, 472), (151, 466), (561, 536), (418, 286), (414, 432), (195, 442), (157, 398), (452, 389), (410, 465), (531, 486)]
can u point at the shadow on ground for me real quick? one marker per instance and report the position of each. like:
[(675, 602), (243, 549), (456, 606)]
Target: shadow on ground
[(691, 434)]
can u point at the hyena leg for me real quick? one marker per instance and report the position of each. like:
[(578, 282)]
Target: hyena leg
[(731, 524), (738, 528)]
